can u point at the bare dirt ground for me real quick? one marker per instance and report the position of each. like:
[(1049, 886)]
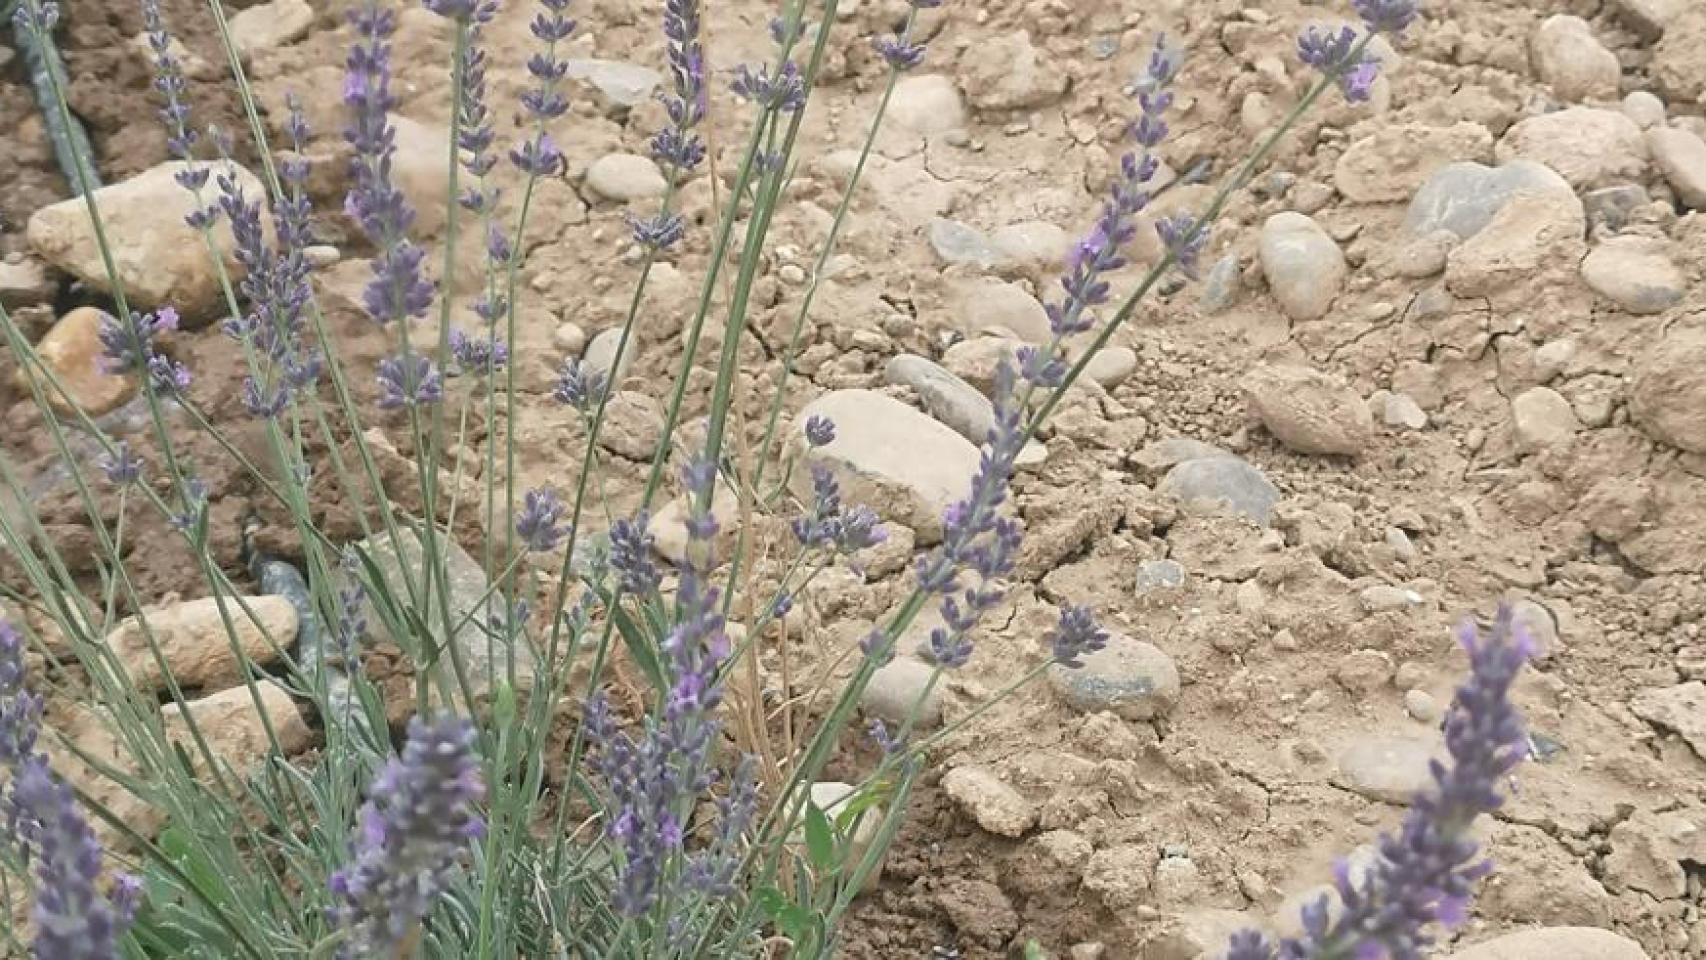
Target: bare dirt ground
[(1302, 648)]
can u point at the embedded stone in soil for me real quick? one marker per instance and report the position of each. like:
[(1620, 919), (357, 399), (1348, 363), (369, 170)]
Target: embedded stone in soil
[(1554, 943), (192, 639), (896, 692), (889, 457), (1387, 768), (484, 655), (1128, 677), (1223, 481), (984, 797)]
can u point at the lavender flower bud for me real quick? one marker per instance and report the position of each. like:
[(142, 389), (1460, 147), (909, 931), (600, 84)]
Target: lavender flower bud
[(1334, 54), (1176, 236), (463, 11), (264, 403), (538, 157), (122, 467), (37, 17), (899, 54), (658, 232), (408, 380), (418, 820), (1387, 16), (1075, 637), (876, 647), (127, 344), (482, 355), (537, 523), (631, 555), (192, 497), (886, 742), (578, 386), (783, 93), (820, 430)]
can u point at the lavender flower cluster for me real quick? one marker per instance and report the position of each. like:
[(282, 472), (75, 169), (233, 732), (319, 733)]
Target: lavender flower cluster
[(655, 779), (420, 817), (73, 919), (1342, 54), (128, 344), (827, 523), (1426, 872)]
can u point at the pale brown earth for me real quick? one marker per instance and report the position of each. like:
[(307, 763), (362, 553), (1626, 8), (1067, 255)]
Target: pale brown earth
[(1146, 837)]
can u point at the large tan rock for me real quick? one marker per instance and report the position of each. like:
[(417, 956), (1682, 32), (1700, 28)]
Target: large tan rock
[(1668, 399), (195, 644), (235, 727), (1555, 943), (1587, 146), (1309, 411), (1530, 234), (71, 350), (160, 260), (1392, 163), (1304, 267), (1572, 60), (890, 457)]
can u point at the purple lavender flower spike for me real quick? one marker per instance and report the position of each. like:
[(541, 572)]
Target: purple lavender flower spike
[(976, 538), (398, 290), (651, 777), (1076, 636), (421, 814), (1099, 253), (537, 523), (20, 710), (169, 82), (1426, 872), (550, 26), (408, 381), (678, 145), (73, 919)]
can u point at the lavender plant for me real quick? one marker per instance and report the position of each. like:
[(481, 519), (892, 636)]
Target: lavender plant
[(488, 833)]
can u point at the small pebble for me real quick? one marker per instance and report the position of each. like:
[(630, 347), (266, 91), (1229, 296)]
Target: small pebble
[(1421, 705)]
